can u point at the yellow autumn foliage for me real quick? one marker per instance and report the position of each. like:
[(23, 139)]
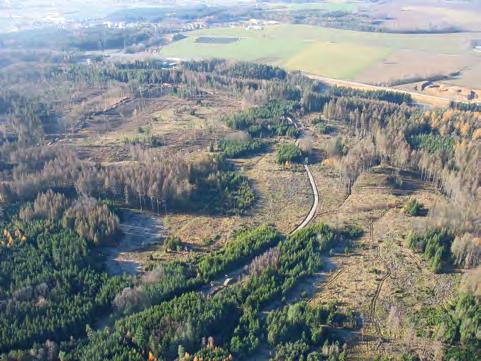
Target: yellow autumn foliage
[(329, 162)]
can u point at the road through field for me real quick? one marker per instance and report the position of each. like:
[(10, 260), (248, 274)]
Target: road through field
[(425, 99)]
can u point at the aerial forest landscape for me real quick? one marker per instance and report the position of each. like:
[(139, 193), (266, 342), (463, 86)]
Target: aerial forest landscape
[(210, 180)]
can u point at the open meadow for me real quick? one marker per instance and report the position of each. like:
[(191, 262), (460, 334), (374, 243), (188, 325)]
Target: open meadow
[(375, 58)]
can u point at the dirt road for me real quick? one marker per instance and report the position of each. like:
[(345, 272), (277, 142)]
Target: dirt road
[(425, 99), (236, 275), (315, 204)]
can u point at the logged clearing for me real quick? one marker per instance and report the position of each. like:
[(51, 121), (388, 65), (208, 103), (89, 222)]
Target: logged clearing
[(191, 127), (382, 273), (284, 199), (178, 124)]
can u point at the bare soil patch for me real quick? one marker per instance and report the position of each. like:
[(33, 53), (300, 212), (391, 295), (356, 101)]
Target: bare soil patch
[(139, 231), (415, 15), (404, 65)]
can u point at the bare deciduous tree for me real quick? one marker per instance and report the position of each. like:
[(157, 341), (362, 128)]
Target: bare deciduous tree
[(471, 282), (467, 250)]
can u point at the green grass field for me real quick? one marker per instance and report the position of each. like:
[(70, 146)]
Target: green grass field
[(328, 52), (329, 59)]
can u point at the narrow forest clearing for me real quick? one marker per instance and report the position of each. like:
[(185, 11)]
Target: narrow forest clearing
[(139, 231)]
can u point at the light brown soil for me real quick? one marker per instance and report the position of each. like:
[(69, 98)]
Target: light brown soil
[(407, 64), (382, 272), (429, 14)]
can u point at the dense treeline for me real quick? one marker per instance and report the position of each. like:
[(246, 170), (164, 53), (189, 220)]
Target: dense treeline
[(414, 208), (100, 38), (246, 244), (443, 250), (165, 281), (240, 148), (314, 99), (48, 289), (466, 250), (237, 69), (433, 144), (257, 71), (470, 107), (362, 114), (314, 102), (150, 181), (92, 38), (170, 279), (289, 153), (461, 324), (385, 95), (266, 120), (160, 329), (28, 119), (220, 189), (195, 317), (36, 170), (93, 221), (301, 332), (182, 324)]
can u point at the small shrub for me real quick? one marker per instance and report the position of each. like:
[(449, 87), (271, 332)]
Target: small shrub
[(414, 208), (435, 246), (208, 242), (241, 148), (325, 129), (172, 244), (337, 147), (395, 181), (289, 153)]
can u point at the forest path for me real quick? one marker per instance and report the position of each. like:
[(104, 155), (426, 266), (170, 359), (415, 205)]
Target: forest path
[(236, 275), (315, 204)]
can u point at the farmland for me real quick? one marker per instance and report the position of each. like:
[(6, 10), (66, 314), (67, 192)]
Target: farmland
[(371, 57)]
